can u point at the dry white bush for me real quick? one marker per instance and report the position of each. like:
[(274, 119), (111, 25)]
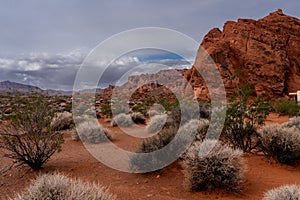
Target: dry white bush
[(62, 121), (152, 113), (90, 131), (198, 126), (122, 120), (293, 122), (286, 192), (281, 143), (156, 123), (60, 187), (209, 165)]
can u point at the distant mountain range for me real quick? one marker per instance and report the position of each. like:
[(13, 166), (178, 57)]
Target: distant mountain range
[(12, 87)]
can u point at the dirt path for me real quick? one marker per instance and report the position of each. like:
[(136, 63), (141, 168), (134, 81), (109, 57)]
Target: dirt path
[(75, 161)]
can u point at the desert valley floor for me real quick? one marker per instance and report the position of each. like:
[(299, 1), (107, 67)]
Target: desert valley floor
[(74, 161)]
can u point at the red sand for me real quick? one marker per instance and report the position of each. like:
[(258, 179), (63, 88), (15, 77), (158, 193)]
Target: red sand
[(75, 161)]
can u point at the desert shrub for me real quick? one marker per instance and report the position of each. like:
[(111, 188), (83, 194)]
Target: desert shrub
[(242, 118), (200, 125), (62, 121), (122, 120), (222, 167), (138, 118), (164, 137), (152, 113), (60, 187), (152, 144), (106, 110), (29, 138), (158, 141), (291, 192), (286, 107), (90, 131), (293, 122), (156, 123), (280, 143), (141, 108)]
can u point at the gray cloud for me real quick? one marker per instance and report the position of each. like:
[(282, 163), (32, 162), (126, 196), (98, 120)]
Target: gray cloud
[(61, 26)]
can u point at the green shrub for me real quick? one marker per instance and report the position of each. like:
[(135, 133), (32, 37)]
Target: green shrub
[(141, 108), (60, 187), (286, 192), (222, 167), (280, 143), (286, 107), (29, 138), (242, 118), (122, 120), (106, 110)]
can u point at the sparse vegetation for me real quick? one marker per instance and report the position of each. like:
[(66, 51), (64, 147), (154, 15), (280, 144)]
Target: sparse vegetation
[(281, 143), (90, 131), (286, 107), (59, 187), (222, 167), (243, 117), (156, 123), (286, 192), (293, 122), (62, 121), (122, 120), (106, 110), (138, 118), (29, 138)]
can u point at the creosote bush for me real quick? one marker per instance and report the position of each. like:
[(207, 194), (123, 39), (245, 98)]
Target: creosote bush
[(156, 123), (60, 187), (221, 167), (280, 143), (29, 138), (90, 131), (242, 118), (286, 192), (122, 120), (62, 121)]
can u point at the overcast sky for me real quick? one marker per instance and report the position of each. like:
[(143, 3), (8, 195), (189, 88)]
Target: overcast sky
[(44, 42)]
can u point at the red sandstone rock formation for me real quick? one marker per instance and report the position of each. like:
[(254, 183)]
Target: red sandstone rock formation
[(265, 51)]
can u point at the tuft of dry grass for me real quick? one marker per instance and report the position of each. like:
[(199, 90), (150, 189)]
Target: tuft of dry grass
[(60, 187)]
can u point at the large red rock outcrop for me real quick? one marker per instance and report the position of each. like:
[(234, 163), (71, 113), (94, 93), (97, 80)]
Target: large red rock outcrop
[(266, 52)]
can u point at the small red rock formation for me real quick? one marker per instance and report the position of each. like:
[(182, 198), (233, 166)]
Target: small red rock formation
[(266, 52)]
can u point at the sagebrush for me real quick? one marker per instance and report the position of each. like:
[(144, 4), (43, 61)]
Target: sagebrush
[(90, 131), (60, 187), (62, 121), (208, 165), (122, 120), (156, 123), (281, 143), (286, 192)]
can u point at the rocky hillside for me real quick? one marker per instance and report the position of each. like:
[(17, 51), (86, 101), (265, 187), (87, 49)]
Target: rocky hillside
[(266, 52), (12, 87)]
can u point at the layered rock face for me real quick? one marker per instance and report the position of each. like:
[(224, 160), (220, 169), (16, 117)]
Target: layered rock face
[(264, 53)]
